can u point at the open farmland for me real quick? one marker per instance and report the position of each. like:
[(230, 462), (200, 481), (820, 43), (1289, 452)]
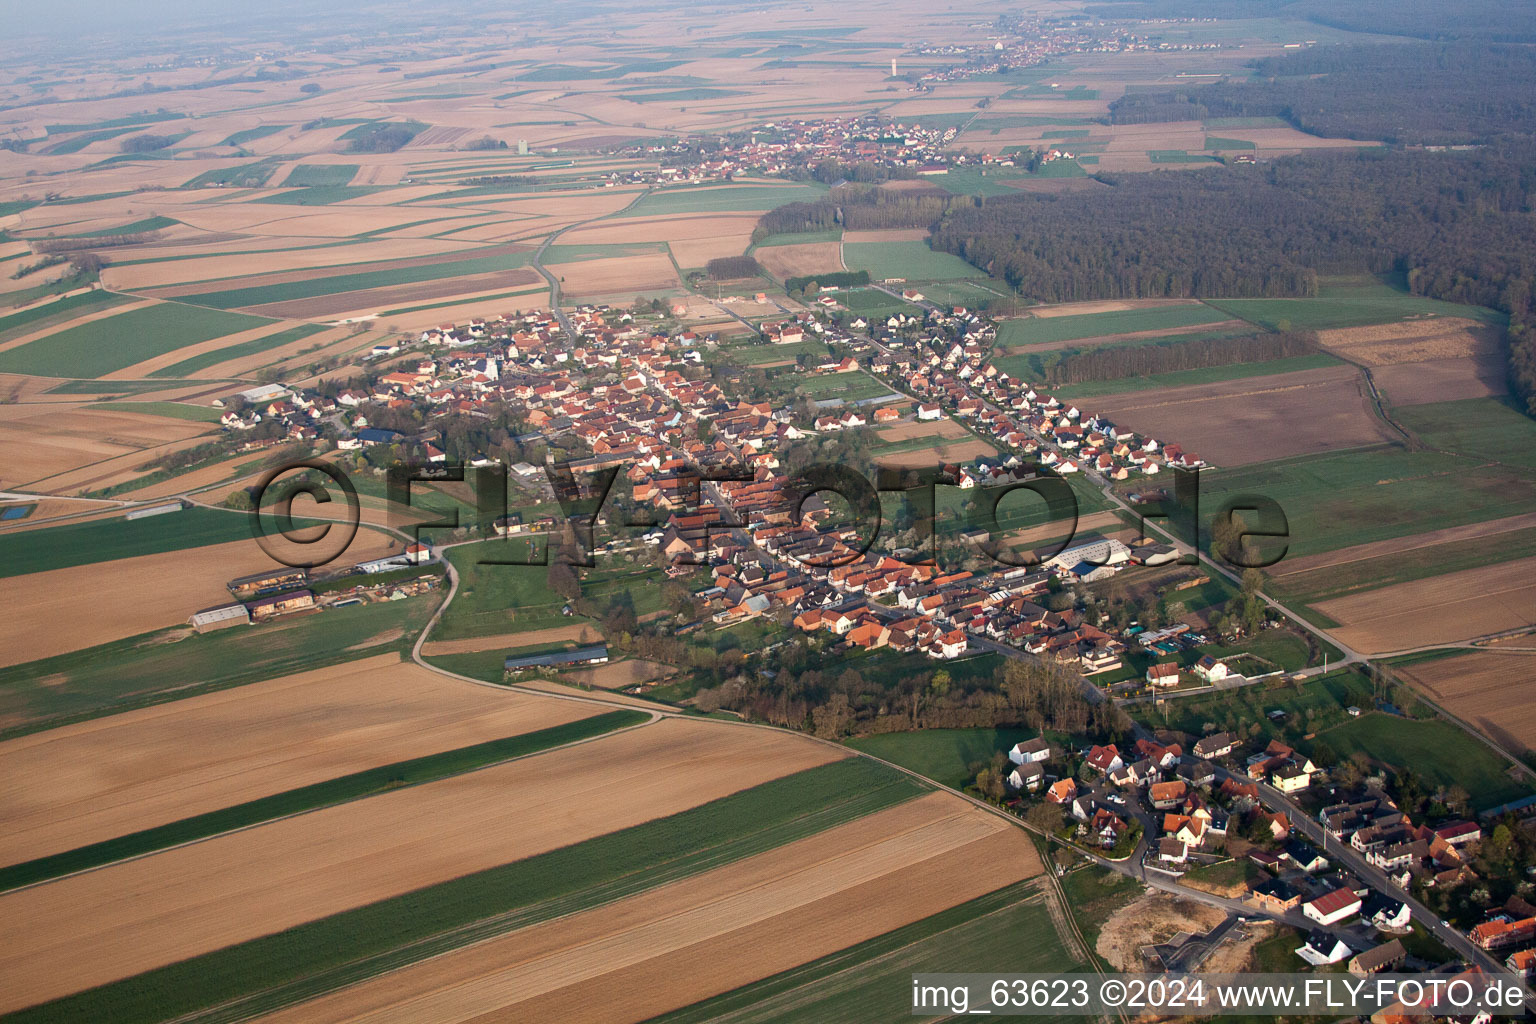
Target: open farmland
[(760, 915), (112, 600), (622, 276), (1439, 359), (905, 260), (144, 768), (1076, 321), (39, 441), (1255, 420), (855, 983), (276, 971), (1439, 609), (177, 663), (1343, 499), (98, 348), (330, 861), (786, 261), (1489, 689)]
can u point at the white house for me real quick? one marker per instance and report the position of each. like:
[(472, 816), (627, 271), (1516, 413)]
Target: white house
[(1030, 751), (1209, 670), (1332, 907)]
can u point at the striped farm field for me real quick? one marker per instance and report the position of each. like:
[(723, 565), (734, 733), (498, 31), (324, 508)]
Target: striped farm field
[(470, 857), (632, 959), (116, 775), (97, 604), (102, 346), (291, 286)]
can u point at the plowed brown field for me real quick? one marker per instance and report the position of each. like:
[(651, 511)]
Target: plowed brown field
[(1492, 691), (1437, 610), (136, 770)]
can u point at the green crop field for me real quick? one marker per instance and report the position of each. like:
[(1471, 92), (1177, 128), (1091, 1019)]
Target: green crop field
[(1348, 302), (871, 980), (137, 227), (253, 175), (1480, 428), (307, 175), (943, 755), (1438, 752), (99, 347), (722, 199), (911, 260), (168, 665), (279, 970), (1044, 330), (1217, 142), (974, 181), (308, 798), (104, 540), (1402, 567), (1344, 498), (1181, 378), (35, 318), (269, 343), (577, 253), (174, 410), (801, 238), (262, 294), (240, 138)]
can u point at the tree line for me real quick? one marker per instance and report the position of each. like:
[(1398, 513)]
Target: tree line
[(857, 209), (1114, 362), (1031, 694)]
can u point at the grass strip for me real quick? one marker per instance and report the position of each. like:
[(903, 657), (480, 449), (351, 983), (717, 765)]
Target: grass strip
[(308, 798), (306, 961)]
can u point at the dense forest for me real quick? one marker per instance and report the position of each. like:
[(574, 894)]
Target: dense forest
[(1458, 226), (726, 268), (1434, 94)]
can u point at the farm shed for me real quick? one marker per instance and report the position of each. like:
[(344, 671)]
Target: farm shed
[(222, 617)]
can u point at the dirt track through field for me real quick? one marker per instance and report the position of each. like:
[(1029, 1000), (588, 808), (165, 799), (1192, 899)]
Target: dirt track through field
[(694, 938), (132, 917), (136, 770)]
